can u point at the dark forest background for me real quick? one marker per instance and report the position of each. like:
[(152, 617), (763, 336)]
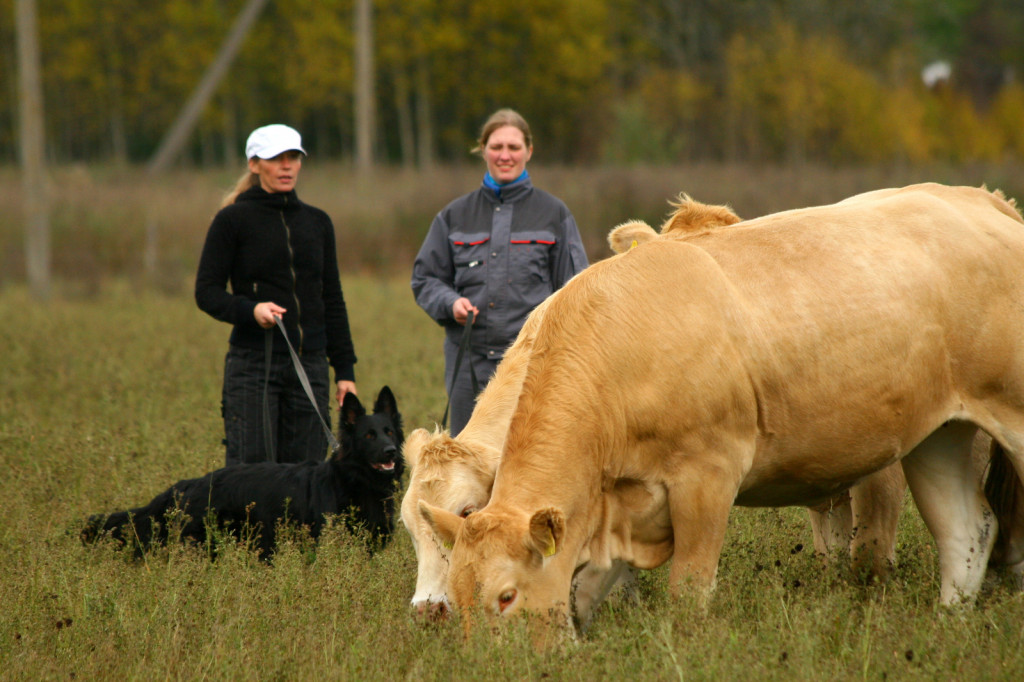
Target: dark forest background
[(602, 81)]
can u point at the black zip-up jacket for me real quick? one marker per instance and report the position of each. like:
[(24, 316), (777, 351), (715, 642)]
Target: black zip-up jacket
[(274, 247)]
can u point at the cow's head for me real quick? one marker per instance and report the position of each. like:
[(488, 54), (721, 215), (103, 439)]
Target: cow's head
[(507, 562), (454, 477)]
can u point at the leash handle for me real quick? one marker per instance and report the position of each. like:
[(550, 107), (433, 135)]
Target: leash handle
[(304, 380), (463, 347)]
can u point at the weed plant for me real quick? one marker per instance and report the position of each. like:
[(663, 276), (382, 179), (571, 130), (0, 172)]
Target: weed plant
[(104, 402)]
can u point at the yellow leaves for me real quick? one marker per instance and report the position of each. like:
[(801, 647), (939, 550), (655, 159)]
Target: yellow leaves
[(648, 82), (1008, 117), (792, 96), (907, 111), (319, 50), (656, 122)]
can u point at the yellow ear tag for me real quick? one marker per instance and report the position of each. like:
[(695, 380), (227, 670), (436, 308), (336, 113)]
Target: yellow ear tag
[(550, 549), (633, 245)]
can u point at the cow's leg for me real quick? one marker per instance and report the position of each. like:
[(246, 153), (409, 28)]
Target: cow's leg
[(832, 524), (1001, 415), (1005, 493), (940, 474), (876, 503), (699, 501), (591, 585)]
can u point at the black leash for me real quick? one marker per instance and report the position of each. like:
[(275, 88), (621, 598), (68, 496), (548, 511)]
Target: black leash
[(268, 432), (303, 379), (463, 347)]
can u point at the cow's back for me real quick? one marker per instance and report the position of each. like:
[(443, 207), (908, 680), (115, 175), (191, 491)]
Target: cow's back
[(841, 329), (882, 306)]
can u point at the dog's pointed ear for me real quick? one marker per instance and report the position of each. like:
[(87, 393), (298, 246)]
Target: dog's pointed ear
[(351, 409), (385, 403)]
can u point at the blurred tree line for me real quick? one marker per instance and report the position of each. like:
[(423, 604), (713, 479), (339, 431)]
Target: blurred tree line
[(660, 81)]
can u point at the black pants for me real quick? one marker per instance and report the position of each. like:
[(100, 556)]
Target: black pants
[(295, 427), (462, 397)]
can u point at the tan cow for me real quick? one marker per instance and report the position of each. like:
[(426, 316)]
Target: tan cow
[(861, 521), (457, 473), (774, 363)]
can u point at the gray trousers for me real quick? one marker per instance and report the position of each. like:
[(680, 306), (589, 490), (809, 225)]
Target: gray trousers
[(461, 395)]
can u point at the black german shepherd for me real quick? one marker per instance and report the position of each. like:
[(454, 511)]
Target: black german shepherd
[(250, 499)]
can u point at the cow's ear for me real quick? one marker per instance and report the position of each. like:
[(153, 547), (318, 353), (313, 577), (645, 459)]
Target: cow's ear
[(445, 524), (547, 530), (630, 233), (413, 447)]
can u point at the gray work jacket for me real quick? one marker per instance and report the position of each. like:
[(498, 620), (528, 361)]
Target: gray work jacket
[(506, 253)]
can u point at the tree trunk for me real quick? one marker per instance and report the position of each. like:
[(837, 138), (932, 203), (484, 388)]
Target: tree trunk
[(424, 116), (230, 133), (364, 86), (118, 137), (33, 152), (406, 136)]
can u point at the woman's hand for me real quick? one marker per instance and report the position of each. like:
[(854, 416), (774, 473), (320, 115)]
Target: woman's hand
[(266, 312), (461, 308), (345, 387)]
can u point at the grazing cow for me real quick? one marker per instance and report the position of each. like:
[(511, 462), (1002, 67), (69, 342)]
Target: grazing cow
[(774, 363), (862, 520), (456, 474)]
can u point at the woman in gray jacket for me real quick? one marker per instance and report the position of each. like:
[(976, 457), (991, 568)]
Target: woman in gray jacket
[(498, 252)]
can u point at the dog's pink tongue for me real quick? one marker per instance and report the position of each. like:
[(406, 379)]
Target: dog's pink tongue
[(388, 466)]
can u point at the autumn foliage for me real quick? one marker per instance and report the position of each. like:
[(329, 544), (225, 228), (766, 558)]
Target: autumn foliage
[(618, 81)]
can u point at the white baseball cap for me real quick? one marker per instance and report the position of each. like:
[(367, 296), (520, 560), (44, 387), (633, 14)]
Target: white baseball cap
[(269, 141)]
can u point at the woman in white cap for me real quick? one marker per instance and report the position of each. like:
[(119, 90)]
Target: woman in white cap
[(279, 256)]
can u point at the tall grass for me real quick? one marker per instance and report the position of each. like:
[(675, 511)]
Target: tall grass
[(100, 217), (107, 400)]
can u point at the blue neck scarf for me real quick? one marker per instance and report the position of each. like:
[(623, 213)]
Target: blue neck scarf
[(497, 187)]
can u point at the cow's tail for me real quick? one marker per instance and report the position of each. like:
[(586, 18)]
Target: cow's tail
[(1005, 494)]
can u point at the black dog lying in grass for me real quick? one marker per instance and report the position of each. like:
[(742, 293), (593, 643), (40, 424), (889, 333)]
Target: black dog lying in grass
[(250, 499)]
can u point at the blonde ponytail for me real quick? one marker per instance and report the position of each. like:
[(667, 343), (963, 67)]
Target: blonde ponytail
[(248, 179)]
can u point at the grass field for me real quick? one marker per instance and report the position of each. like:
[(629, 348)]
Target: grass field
[(106, 400)]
